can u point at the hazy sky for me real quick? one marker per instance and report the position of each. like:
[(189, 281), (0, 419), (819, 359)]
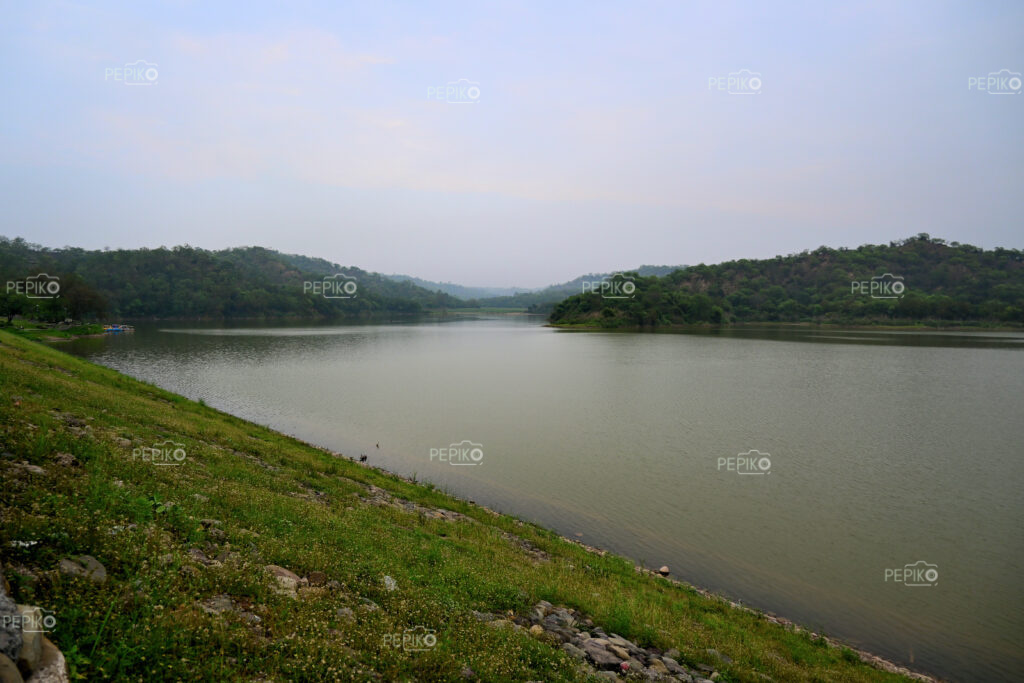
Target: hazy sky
[(599, 138)]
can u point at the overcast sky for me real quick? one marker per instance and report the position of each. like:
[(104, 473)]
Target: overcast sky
[(598, 136)]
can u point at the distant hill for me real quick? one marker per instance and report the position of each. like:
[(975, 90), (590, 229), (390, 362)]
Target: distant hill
[(186, 282), (542, 300), (460, 291), (940, 282)]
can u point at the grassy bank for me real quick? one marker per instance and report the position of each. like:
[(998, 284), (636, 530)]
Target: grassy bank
[(186, 546), (31, 329)]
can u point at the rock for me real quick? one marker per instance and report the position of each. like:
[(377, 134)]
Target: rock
[(537, 630), (368, 605), (66, 460), (317, 579), (217, 604), (85, 566), (574, 651), (672, 665), (32, 638), (199, 556), (500, 623), (608, 675), (664, 570), (483, 616), (620, 652), (209, 523), (602, 658), (201, 498), (52, 667), (468, 673), (715, 653), (10, 625), (673, 653), (389, 583), (346, 614), (659, 667), (287, 582), (8, 671), (121, 441), (26, 467)]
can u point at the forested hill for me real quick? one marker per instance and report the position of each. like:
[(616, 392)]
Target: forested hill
[(188, 282), (937, 282)]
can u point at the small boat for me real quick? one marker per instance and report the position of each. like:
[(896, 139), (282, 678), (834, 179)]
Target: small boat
[(118, 328)]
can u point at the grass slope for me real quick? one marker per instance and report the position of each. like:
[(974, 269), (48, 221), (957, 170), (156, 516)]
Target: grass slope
[(279, 501)]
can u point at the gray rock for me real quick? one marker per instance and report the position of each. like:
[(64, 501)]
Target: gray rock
[(715, 653), (52, 667), (574, 652), (217, 604), (8, 671), (368, 605), (346, 614), (602, 658), (10, 626), (620, 652), (85, 566), (484, 616), (673, 653), (66, 460), (286, 582), (673, 665), (389, 583), (32, 639)]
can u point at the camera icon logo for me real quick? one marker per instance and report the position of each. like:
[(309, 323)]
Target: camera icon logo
[(32, 619), (465, 452), (462, 91), (416, 639), (164, 453), (41, 286), (1003, 82), (884, 286), (615, 286), (920, 573), (337, 286), (917, 575), (140, 72)]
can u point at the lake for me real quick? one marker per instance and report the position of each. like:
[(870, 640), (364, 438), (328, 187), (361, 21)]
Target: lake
[(796, 470)]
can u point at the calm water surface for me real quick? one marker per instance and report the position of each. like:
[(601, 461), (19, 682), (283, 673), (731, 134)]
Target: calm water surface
[(885, 449)]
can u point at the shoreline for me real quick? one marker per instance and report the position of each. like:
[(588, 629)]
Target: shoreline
[(197, 413), (588, 327), (865, 656)]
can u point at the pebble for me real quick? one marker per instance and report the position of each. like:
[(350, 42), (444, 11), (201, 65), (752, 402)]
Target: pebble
[(85, 566)]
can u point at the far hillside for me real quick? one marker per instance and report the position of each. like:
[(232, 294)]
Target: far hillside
[(186, 282), (913, 281)]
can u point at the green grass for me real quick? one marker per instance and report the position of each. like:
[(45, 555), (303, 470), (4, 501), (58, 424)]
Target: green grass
[(140, 520), (34, 330)]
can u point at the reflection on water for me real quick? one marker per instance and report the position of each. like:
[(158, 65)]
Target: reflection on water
[(886, 448)]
